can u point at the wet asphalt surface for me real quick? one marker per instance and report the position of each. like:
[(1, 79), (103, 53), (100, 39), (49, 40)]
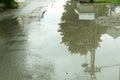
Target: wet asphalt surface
[(48, 41), (20, 60)]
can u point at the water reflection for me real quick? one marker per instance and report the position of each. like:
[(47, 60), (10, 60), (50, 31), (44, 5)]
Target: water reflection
[(114, 32), (85, 12), (82, 34), (112, 19)]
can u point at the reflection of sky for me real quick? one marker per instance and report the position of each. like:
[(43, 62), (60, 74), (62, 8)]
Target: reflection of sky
[(44, 44), (117, 9), (71, 64), (110, 47), (45, 40), (109, 53)]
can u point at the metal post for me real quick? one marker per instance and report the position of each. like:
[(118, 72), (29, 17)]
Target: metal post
[(119, 72)]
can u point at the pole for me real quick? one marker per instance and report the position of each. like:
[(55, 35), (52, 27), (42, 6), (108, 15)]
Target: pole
[(119, 72)]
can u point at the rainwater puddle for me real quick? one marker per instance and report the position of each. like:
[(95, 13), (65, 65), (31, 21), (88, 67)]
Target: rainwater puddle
[(83, 49), (65, 44)]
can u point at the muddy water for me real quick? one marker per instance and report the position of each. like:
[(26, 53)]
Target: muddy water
[(62, 45)]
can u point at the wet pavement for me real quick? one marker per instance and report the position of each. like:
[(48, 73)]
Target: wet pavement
[(56, 41)]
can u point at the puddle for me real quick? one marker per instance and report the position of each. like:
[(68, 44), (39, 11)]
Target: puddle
[(63, 45)]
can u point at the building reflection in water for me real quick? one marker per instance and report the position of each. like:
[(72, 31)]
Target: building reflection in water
[(85, 12)]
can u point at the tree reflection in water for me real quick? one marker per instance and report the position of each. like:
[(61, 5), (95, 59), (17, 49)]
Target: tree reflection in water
[(81, 36)]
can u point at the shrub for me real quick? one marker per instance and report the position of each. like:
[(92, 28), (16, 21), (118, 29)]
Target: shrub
[(2, 5), (8, 3), (109, 1)]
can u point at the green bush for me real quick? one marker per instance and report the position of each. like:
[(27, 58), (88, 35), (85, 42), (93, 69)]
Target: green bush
[(109, 1), (13, 4), (2, 5), (8, 4)]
